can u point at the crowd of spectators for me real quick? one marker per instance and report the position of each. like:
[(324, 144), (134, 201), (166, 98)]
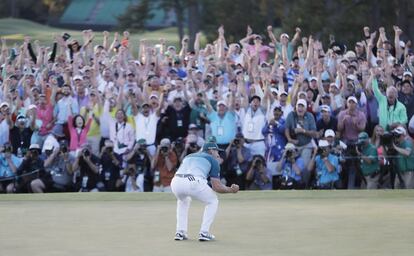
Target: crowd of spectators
[(287, 113)]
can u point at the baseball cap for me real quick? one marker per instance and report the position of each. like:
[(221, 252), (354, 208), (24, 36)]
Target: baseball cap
[(142, 142), (211, 139), (191, 138), (329, 133), (77, 77), (153, 95), (352, 98), (313, 78), (48, 145), (165, 142), (302, 93), (4, 104), (334, 84), (31, 106), (301, 102), (282, 93), (210, 146), (351, 77), (323, 143), (400, 130), (34, 146), (363, 136), (407, 73), (192, 126), (273, 90), (284, 35), (222, 102), (290, 146), (325, 108)]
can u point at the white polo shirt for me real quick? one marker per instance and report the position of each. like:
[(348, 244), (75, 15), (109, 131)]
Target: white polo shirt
[(253, 124), (146, 127)]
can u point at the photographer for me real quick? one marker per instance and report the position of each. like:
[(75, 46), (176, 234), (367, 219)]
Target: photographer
[(110, 168), (369, 161), (31, 163), (405, 161), (134, 181), (258, 175), (274, 132), (141, 159), (8, 168), (178, 147), (238, 157), (86, 164), (58, 164), (20, 135), (191, 146), (291, 166), (327, 166), (164, 165)]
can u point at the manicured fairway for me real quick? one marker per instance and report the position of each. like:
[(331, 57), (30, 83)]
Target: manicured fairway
[(249, 223)]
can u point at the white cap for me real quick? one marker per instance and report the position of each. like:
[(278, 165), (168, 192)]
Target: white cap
[(301, 102), (323, 143), (4, 104), (400, 130), (351, 77), (402, 44), (284, 35), (273, 90), (407, 73), (325, 108), (34, 146), (329, 133), (165, 142), (282, 92), (290, 146), (77, 77), (352, 98), (313, 78), (153, 95), (31, 106), (221, 102), (302, 93), (48, 145), (334, 84)]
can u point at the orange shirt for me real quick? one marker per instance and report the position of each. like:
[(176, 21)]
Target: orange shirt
[(165, 175)]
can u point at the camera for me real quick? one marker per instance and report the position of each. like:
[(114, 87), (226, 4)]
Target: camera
[(65, 37), (164, 150), (86, 153), (7, 148), (386, 140), (289, 153), (109, 150), (142, 149), (193, 145), (179, 143), (236, 142), (64, 149), (257, 162)]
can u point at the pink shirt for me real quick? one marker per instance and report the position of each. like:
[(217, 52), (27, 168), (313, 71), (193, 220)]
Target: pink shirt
[(77, 139), (263, 51), (45, 114)]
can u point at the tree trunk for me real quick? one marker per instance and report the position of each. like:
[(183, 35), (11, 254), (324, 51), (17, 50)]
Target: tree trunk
[(179, 13), (193, 22)]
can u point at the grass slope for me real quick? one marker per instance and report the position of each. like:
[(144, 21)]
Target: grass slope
[(14, 31), (248, 223)]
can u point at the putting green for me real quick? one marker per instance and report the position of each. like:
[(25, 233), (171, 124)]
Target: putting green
[(248, 223)]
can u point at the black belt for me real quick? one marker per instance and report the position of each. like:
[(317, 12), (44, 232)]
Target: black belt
[(253, 141), (184, 175)]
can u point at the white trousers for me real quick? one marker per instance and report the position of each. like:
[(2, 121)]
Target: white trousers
[(185, 189)]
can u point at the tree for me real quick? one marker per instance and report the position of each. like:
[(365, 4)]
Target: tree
[(136, 15)]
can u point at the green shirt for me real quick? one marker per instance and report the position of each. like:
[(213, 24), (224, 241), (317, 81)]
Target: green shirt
[(196, 110), (371, 152), (388, 115), (406, 163)]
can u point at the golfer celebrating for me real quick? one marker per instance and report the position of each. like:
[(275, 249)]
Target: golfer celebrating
[(190, 181)]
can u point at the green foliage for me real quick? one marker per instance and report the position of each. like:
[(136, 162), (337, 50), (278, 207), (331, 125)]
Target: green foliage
[(136, 16)]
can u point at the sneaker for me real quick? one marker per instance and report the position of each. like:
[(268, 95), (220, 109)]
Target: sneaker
[(179, 236), (205, 236)]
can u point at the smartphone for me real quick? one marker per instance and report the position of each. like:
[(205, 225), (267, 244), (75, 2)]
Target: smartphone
[(66, 36)]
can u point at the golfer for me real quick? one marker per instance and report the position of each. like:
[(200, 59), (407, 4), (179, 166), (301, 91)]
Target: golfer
[(190, 181)]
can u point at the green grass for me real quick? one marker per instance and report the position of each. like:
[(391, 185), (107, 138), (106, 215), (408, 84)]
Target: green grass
[(248, 223), (14, 31)]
